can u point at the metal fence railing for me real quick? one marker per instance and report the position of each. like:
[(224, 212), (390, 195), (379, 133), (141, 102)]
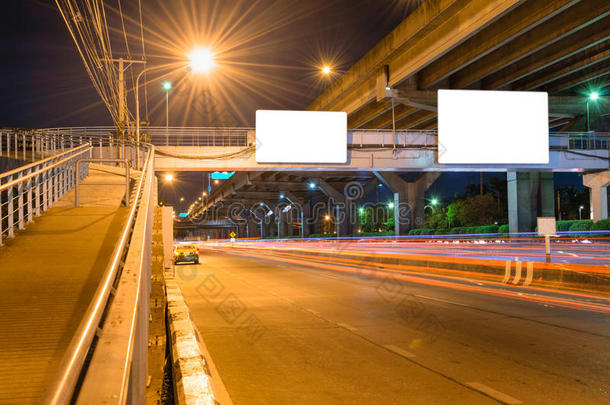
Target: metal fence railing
[(242, 137), (113, 334), (30, 190), (111, 340), (168, 136)]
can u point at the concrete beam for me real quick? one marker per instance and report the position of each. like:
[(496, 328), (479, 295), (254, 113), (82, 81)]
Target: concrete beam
[(415, 119), (576, 42), (576, 80), (432, 30), (385, 120), (369, 112), (549, 32), (424, 100), (575, 64), (520, 20)]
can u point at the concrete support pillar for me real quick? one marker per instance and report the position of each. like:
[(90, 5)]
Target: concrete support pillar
[(409, 199), (305, 220), (598, 193), (530, 195), (343, 208)]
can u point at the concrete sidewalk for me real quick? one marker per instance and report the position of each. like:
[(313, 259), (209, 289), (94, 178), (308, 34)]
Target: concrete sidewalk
[(48, 274)]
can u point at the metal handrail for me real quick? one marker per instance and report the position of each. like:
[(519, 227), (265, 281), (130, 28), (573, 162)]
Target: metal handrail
[(33, 188), (61, 389), (42, 161)]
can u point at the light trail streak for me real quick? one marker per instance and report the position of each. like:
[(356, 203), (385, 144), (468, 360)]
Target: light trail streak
[(439, 280)]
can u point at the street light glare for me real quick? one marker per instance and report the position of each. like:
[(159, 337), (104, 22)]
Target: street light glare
[(391, 205), (202, 60), (326, 70), (594, 96), (434, 201), (167, 86), (169, 177)]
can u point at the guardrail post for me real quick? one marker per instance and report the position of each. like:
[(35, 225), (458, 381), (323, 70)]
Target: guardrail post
[(20, 217), (24, 147), (45, 189), (55, 185), (30, 214), (37, 193), (1, 219), (10, 216)]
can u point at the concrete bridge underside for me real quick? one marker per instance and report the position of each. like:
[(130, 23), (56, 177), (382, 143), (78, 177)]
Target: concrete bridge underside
[(558, 46), (252, 203)]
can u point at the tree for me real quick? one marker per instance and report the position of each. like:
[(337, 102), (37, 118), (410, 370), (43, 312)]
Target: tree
[(477, 210)]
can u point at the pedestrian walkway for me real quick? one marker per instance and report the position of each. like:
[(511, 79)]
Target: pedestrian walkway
[(48, 274)]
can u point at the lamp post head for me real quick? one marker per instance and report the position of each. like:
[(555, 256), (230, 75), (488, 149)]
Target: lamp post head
[(593, 96), (201, 60), (167, 86)]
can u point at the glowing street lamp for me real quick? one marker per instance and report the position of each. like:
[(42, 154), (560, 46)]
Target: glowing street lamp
[(181, 199), (169, 177), (326, 70), (391, 205), (327, 217), (593, 96), (434, 202), (201, 60), (167, 86)]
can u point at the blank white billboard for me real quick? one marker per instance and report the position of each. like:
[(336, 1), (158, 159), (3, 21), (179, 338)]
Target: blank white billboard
[(493, 127), (301, 136)]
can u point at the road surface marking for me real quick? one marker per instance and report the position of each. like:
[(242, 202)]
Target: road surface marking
[(517, 272), (506, 272), (530, 273), (312, 311), (442, 300), (400, 351), (500, 396)]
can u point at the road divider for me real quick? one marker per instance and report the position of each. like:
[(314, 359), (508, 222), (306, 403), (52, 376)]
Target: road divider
[(565, 276), (192, 381)]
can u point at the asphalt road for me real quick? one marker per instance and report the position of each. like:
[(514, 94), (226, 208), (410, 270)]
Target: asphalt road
[(281, 333)]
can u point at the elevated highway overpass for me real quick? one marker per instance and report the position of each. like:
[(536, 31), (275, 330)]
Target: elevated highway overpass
[(383, 154), (558, 46)]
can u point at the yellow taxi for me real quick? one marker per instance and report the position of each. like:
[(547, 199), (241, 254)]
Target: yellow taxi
[(186, 253)]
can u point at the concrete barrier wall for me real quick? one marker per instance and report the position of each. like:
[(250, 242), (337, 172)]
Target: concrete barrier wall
[(555, 275), (192, 383)]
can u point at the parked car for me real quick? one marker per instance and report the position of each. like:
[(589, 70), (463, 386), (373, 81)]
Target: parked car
[(186, 253)]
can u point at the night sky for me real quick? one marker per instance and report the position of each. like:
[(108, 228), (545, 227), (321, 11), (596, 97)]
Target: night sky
[(269, 56)]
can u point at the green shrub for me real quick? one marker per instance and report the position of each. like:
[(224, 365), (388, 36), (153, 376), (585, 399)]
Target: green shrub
[(601, 225), (563, 226), (441, 232), (584, 225), (487, 229), (503, 228)]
